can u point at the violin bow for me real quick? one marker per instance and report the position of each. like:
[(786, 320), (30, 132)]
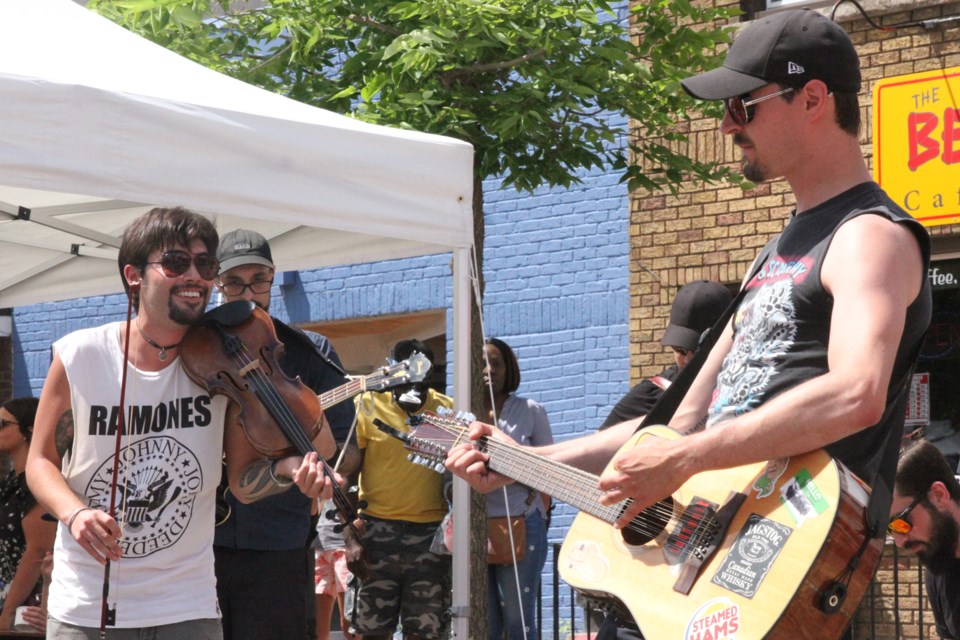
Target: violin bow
[(107, 615)]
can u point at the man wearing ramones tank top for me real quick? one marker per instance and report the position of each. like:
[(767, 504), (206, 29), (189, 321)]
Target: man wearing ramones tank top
[(819, 352), (135, 497)]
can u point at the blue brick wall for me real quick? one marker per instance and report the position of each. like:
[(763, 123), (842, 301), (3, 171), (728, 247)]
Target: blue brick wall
[(557, 289)]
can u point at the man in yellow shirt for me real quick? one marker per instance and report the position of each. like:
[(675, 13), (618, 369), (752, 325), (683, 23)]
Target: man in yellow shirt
[(404, 506)]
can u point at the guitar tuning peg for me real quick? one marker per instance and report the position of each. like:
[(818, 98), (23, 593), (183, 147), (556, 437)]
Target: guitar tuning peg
[(439, 468), (443, 411)]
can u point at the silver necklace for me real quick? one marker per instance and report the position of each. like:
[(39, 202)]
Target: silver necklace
[(161, 348)]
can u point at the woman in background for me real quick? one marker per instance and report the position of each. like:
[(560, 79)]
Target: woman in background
[(25, 538), (526, 422)]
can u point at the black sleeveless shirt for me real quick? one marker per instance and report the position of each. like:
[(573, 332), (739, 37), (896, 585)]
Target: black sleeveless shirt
[(782, 327)]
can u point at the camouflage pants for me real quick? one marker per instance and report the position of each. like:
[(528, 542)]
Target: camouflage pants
[(407, 582)]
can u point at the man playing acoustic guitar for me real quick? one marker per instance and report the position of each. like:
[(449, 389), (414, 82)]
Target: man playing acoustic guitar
[(820, 349)]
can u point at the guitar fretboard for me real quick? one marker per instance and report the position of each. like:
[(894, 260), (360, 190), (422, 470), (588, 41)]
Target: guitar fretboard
[(561, 481), (343, 392)]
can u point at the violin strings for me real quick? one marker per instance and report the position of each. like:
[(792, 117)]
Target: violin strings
[(271, 398)]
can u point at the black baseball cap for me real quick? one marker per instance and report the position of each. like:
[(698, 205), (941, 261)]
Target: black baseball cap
[(242, 247), (788, 47), (696, 308)]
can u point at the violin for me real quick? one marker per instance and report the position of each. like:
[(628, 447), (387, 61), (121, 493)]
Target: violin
[(234, 351)]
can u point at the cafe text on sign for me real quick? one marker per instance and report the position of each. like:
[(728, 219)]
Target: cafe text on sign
[(916, 143)]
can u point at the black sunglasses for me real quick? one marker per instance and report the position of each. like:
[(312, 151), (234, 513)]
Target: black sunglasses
[(901, 523), (741, 108), (176, 263), (237, 288)]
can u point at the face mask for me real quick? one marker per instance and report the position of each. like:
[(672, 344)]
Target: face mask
[(410, 398)]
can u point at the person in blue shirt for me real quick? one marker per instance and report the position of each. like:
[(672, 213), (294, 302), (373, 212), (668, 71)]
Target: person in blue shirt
[(263, 559)]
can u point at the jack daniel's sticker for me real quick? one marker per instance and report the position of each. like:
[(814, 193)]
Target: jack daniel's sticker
[(752, 554)]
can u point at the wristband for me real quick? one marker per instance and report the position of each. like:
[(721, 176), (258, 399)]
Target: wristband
[(279, 481), (73, 516)]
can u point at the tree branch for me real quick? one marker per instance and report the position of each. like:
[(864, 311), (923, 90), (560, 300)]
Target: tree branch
[(447, 77), (373, 24)]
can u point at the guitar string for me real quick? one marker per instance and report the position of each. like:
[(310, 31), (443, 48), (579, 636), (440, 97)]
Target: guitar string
[(661, 509), (607, 512)]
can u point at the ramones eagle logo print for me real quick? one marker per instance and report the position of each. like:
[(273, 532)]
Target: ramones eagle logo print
[(158, 480)]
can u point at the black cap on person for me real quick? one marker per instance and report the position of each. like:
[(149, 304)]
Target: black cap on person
[(696, 308), (789, 47)]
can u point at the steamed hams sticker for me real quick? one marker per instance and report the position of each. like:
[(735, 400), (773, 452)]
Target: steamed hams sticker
[(716, 620)]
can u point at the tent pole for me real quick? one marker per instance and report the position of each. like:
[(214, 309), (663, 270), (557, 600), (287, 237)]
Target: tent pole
[(461, 393)]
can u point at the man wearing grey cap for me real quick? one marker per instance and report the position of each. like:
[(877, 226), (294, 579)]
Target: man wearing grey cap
[(262, 561), (820, 349)]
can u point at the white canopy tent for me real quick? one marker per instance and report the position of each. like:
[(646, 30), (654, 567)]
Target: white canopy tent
[(97, 125)]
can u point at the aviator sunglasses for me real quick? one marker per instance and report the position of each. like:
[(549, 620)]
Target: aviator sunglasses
[(741, 108), (901, 523), (176, 263)]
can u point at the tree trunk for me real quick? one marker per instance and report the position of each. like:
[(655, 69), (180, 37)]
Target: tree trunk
[(478, 502)]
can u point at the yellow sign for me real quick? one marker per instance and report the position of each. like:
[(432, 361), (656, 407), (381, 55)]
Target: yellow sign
[(916, 143)]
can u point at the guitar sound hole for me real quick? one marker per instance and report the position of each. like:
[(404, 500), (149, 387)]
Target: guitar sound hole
[(649, 524)]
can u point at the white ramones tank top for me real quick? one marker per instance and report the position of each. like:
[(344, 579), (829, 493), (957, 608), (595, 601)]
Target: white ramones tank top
[(169, 468)]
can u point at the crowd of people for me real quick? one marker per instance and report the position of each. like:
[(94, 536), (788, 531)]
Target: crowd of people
[(117, 470)]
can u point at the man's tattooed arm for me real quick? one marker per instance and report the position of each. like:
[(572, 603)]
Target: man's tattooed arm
[(64, 433), (700, 426), (258, 481)]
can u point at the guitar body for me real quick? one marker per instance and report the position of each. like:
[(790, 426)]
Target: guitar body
[(801, 522)]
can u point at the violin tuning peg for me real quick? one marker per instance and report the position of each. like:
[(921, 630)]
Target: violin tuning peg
[(331, 514), (362, 504), (338, 528)]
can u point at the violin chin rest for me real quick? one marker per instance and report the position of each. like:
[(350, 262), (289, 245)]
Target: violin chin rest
[(230, 314)]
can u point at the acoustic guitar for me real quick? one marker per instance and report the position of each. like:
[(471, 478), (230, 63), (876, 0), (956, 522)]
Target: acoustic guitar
[(775, 550)]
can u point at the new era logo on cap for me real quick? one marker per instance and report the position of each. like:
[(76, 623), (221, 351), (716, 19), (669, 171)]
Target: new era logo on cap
[(794, 68)]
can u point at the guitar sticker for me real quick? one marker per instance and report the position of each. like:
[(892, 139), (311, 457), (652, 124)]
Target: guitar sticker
[(718, 619), (802, 497), (752, 554), (767, 480), (588, 560)]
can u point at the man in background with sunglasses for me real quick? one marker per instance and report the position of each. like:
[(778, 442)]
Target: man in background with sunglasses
[(925, 519), (149, 566), (264, 565), (820, 349), (697, 307)]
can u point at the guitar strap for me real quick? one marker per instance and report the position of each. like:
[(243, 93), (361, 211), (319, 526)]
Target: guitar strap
[(662, 412)]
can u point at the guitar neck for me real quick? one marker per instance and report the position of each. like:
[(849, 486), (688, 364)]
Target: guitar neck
[(565, 483), (343, 392)]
